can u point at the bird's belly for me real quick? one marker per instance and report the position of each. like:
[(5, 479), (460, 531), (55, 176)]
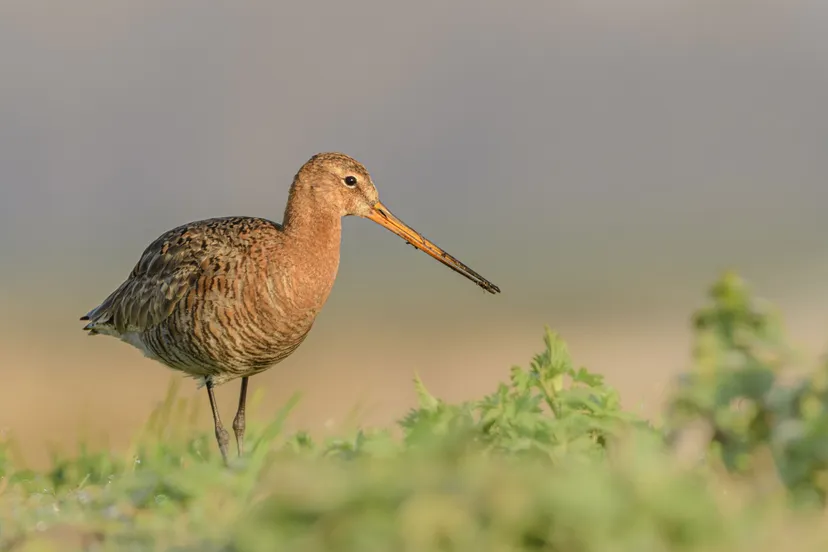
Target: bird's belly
[(223, 343), (135, 339)]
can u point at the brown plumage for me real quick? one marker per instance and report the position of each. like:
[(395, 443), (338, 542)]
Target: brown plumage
[(224, 298)]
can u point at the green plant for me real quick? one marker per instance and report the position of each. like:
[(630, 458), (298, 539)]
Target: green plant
[(548, 461), (737, 390)]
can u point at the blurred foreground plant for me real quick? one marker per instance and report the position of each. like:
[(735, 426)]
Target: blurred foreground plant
[(548, 461), (737, 390)]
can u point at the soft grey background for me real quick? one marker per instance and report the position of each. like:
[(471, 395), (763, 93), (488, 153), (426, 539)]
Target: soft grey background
[(600, 160)]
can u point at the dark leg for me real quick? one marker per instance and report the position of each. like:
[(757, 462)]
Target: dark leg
[(222, 436), (238, 422)]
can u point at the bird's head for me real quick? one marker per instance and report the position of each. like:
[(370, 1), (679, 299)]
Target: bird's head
[(341, 185)]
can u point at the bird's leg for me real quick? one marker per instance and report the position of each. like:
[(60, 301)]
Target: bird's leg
[(222, 436), (238, 421)]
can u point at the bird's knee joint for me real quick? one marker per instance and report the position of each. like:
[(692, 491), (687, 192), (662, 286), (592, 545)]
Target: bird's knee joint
[(238, 425), (222, 436)]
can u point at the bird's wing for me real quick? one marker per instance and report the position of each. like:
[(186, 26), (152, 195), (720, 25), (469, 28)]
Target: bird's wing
[(167, 270)]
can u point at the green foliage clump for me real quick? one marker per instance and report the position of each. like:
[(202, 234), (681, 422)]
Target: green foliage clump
[(551, 410), (737, 389), (548, 461)]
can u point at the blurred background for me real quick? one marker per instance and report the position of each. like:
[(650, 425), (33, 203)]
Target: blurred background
[(601, 161)]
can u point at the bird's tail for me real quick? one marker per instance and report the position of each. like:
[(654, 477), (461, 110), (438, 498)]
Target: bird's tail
[(97, 318)]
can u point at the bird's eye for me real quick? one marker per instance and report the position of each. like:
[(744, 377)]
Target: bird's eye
[(350, 181)]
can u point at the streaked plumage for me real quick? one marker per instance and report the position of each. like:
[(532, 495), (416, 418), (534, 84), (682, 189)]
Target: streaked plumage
[(212, 298), (224, 298)]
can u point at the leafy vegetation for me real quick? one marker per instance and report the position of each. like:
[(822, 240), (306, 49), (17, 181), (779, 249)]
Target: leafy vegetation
[(549, 461)]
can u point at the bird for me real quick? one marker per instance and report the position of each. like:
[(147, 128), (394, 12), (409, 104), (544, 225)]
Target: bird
[(230, 297)]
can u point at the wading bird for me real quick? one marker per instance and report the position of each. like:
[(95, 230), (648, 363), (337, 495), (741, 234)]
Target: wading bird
[(228, 298)]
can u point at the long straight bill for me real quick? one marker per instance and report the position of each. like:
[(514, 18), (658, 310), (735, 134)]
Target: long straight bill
[(382, 216)]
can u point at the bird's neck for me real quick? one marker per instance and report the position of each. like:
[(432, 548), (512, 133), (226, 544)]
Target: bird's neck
[(317, 235), (314, 236), (308, 220)]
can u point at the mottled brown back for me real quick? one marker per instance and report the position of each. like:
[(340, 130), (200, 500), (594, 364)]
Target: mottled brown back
[(170, 267)]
